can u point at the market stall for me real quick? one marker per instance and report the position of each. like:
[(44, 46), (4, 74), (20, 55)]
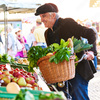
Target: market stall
[(23, 77), (16, 80), (14, 8)]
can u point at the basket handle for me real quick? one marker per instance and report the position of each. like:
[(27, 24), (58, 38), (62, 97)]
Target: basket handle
[(83, 57)]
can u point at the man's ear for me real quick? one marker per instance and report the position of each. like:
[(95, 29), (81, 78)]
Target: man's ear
[(54, 15)]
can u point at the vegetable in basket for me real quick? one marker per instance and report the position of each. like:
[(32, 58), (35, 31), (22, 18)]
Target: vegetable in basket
[(62, 51), (35, 53), (79, 45)]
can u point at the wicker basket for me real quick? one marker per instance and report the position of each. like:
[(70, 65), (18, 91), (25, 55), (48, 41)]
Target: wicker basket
[(53, 73)]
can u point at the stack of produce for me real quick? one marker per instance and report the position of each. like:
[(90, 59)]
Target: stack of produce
[(19, 76), (22, 61), (5, 58)]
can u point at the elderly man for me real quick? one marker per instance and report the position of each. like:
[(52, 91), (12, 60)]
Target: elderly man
[(59, 28)]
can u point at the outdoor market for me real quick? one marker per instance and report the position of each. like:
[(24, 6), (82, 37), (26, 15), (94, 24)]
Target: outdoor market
[(49, 49)]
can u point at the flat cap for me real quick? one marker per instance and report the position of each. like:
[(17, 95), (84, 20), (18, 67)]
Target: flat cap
[(47, 7)]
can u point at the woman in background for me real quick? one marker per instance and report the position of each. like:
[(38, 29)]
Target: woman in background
[(22, 40)]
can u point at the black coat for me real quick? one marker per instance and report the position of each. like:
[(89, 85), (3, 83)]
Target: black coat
[(66, 28), (0, 39)]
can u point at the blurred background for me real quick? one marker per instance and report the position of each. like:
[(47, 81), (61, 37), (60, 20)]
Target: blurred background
[(20, 13)]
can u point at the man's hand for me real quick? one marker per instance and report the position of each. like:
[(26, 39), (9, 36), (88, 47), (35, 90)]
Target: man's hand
[(90, 55)]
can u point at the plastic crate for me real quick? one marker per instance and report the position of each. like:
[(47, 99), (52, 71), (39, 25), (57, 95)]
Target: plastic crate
[(10, 96), (5, 95), (36, 93)]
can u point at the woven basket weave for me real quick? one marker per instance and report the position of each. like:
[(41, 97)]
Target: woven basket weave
[(53, 73)]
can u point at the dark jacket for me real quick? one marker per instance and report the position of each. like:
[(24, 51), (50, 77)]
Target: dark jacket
[(66, 28), (0, 39)]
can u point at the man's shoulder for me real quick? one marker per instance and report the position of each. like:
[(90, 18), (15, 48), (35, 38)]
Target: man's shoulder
[(66, 19)]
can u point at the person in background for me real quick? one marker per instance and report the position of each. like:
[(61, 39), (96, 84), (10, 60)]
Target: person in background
[(1, 45), (1, 39), (60, 28), (39, 34), (22, 40), (89, 25), (11, 42), (31, 38)]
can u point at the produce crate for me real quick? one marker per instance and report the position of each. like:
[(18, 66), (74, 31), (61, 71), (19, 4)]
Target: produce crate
[(10, 96), (5, 95)]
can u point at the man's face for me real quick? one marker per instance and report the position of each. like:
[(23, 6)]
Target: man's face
[(48, 19)]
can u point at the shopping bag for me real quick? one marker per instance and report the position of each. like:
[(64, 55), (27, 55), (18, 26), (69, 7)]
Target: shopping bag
[(92, 66)]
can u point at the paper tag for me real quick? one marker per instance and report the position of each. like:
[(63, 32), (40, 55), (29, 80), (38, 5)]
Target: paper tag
[(8, 67), (41, 83)]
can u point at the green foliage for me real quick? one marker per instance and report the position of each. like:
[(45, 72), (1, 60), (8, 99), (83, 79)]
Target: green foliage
[(62, 52), (35, 53), (76, 59), (5, 58), (51, 96), (79, 45), (24, 94), (21, 95), (0, 57)]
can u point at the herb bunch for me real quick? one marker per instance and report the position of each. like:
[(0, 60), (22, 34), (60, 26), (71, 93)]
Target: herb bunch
[(35, 53)]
